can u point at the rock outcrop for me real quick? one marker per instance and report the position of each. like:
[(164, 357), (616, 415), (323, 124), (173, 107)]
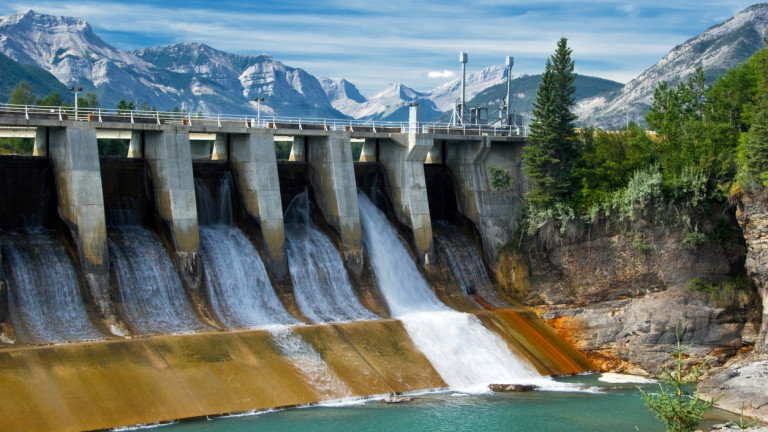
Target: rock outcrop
[(740, 384), (752, 215), (622, 299)]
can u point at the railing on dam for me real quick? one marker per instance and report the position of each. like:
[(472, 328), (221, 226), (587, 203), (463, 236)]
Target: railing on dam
[(102, 115)]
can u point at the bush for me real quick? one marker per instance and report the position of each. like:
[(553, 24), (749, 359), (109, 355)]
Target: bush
[(678, 408), (693, 239)]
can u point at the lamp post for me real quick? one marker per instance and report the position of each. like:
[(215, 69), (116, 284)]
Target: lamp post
[(75, 90), (258, 101)]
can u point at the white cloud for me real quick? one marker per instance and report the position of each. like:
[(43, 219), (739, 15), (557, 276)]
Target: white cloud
[(372, 43), (445, 73)]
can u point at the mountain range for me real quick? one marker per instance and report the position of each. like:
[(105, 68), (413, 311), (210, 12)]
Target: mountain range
[(197, 77)]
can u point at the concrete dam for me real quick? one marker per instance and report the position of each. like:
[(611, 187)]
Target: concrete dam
[(192, 279)]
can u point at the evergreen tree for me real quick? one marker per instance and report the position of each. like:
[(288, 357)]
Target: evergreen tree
[(757, 137), (23, 94), (123, 106), (552, 140)]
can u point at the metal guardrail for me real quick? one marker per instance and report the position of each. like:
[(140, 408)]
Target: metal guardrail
[(101, 115)]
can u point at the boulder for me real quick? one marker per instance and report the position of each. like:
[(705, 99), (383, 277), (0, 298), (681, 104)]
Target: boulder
[(512, 387)]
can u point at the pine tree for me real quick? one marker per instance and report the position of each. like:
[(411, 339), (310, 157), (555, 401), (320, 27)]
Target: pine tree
[(757, 137), (553, 133), (23, 94)]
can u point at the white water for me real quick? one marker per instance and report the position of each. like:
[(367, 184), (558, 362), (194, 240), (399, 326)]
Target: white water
[(239, 289), (238, 285), (462, 350), (465, 263), (320, 281), (292, 347), (44, 298), (149, 287)]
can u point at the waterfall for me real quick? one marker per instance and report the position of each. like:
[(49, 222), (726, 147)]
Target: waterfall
[(462, 350), (44, 290), (465, 263), (214, 207), (148, 285), (308, 361), (238, 285), (320, 281)]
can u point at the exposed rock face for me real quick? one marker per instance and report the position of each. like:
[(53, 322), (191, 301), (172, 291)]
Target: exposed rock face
[(753, 219), (743, 381), (740, 385), (618, 334), (619, 298)]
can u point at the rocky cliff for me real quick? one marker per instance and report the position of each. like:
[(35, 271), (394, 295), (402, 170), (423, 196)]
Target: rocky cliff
[(740, 384), (623, 298)]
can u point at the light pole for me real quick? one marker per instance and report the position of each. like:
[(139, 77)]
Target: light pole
[(75, 90), (258, 101)]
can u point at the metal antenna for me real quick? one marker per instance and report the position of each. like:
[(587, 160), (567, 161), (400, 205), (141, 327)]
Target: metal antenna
[(510, 63), (463, 59)]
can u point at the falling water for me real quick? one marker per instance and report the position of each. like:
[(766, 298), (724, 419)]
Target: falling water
[(462, 350), (308, 361), (238, 285), (149, 287), (465, 263), (44, 292), (214, 208), (320, 281)]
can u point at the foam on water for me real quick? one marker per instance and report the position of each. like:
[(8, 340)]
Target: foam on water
[(320, 281), (464, 353), (302, 355), (148, 284), (44, 298)]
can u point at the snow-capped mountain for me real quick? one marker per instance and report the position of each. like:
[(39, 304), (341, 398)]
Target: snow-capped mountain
[(446, 95), (239, 79), (195, 77), (718, 49), (345, 97)]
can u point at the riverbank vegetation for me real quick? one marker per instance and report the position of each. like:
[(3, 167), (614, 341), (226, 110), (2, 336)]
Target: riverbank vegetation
[(704, 144)]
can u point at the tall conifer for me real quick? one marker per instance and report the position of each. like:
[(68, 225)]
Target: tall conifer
[(553, 134)]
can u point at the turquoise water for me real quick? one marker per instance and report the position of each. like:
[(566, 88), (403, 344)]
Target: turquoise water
[(608, 407)]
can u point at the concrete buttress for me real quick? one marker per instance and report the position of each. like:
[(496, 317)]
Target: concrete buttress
[(255, 165), (403, 159), (495, 213), (74, 154), (170, 163), (41, 142), (333, 180)]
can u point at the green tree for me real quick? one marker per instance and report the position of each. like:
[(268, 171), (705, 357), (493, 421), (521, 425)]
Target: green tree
[(53, 99), (607, 161), (23, 94), (552, 140), (756, 140), (678, 408), (123, 106), (89, 101)]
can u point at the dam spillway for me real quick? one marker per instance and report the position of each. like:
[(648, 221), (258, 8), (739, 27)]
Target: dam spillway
[(240, 324)]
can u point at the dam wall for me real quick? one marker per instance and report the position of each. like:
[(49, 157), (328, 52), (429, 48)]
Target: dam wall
[(210, 368)]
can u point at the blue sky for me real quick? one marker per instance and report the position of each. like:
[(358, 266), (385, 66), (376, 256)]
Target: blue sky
[(416, 42)]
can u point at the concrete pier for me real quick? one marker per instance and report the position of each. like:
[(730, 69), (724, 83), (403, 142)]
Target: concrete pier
[(170, 164), (41, 142), (255, 165), (220, 147), (298, 150), (75, 159), (332, 174), (369, 151), (495, 213), (136, 144), (403, 159)]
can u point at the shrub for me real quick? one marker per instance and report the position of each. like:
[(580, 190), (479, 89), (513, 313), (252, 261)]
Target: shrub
[(678, 408)]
